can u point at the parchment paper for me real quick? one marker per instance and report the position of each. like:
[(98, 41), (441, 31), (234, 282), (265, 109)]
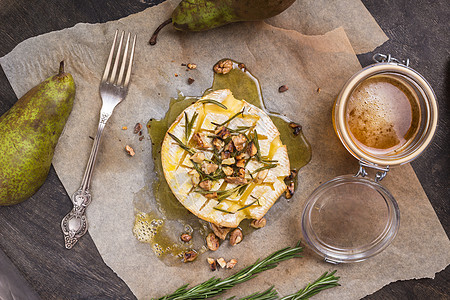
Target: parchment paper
[(276, 56)]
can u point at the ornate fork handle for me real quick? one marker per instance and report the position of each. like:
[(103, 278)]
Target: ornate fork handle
[(74, 225)]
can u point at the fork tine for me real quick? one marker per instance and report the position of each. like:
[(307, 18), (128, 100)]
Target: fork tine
[(130, 63), (108, 64), (124, 61), (117, 58)]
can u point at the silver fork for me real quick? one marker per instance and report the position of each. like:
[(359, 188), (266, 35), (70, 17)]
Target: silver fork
[(113, 89)]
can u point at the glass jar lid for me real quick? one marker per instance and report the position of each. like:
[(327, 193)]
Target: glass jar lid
[(349, 219)]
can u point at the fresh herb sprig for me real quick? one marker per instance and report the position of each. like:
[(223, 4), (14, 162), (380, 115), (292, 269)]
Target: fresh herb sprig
[(230, 119), (271, 166), (180, 143), (189, 125), (324, 282), (216, 286), (211, 101)]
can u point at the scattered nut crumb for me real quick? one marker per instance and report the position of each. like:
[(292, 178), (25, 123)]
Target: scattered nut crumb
[(242, 66), (124, 127), (191, 80), (141, 138), (191, 66), (318, 90), (129, 150), (176, 75), (186, 237), (183, 65), (290, 190), (235, 237), (137, 128), (231, 263), (283, 88), (292, 175), (258, 223), (223, 66), (297, 128), (212, 263), (212, 241), (190, 256), (222, 262), (221, 232)]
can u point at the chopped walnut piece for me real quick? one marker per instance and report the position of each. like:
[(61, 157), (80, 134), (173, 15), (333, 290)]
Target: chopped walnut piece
[(209, 168), (283, 88), (190, 256), (124, 127), (240, 163), (227, 170), (231, 263), (290, 190), (222, 263), (129, 150), (235, 237), (212, 241), (223, 66), (206, 185), (239, 141), (198, 157), (292, 175), (195, 177), (222, 132), (228, 161), (191, 66), (258, 223), (186, 237), (229, 147), (220, 231), (200, 140), (218, 143), (212, 263), (261, 176), (190, 80), (241, 172), (225, 154), (242, 155), (211, 195), (297, 128), (251, 149), (236, 180), (137, 128)]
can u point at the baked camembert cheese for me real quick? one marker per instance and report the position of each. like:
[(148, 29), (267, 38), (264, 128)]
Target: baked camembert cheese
[(224, 160)]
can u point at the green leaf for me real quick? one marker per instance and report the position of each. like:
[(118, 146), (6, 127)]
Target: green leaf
[(180, 143), (211, 101)]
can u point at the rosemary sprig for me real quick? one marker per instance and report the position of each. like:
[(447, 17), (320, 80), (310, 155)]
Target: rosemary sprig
[(256, 142), (227, 193), (324, 282), (269, 294), (216, 286), (247, 206), (211, 101), (180, 143), (265, 168), (189, 124)]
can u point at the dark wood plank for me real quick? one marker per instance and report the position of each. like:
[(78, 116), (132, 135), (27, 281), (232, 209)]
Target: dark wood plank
[(31, 238)]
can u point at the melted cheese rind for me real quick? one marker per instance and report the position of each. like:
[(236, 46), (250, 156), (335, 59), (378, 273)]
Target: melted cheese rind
[(176, 163)]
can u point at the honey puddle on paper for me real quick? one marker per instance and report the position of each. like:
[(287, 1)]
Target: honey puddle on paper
[(160, 219)]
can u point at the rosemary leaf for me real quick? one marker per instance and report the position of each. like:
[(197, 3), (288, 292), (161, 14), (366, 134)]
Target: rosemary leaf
[(324, 282), (216, 286), (247, 206), (223, 210), (269, 294), (180, 143), (189, 124), (265, 168), (211, 101), (231, 118), (256, 142)]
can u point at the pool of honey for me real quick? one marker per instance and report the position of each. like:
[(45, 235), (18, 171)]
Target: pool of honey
[(383, 115), (160, 218)]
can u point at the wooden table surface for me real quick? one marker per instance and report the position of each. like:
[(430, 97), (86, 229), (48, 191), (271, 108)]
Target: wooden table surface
[(30, 233)]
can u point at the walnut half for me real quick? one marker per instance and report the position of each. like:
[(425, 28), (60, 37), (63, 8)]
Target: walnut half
[(223, 66)]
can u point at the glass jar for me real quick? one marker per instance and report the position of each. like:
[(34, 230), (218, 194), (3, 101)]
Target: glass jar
[(385, 115)]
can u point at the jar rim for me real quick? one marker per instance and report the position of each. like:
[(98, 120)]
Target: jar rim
[(365, 73)]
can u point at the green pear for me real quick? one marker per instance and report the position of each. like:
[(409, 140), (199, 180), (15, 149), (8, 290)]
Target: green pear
[(29, 132), (200, 15)]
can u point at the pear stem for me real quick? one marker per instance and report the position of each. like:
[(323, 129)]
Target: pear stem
[(152, 40), (61, 68)]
